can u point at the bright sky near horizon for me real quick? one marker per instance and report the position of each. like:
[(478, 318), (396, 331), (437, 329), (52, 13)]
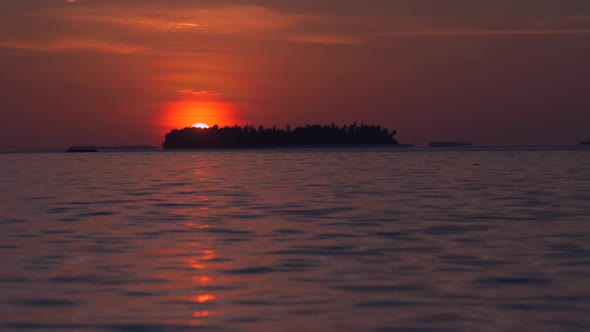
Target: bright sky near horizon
[(112, 72)]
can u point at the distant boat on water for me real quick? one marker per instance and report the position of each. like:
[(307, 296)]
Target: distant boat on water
[(585, 142), (117, 148), (448, 144), (82, 149)]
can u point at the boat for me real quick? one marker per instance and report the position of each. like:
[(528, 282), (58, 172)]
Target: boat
[(585, 142), (448, 144), (82, 149)]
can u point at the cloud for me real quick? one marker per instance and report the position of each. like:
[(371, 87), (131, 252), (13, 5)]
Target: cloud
[(225, 19), (578, 18), (326, 39), (73, 45), (491, 32), (106, 26), (200, 93)]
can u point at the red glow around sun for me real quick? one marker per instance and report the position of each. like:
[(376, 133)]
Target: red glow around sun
[(196, 114)]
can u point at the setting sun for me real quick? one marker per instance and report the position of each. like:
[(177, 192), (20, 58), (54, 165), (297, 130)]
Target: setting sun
[(195, 114)]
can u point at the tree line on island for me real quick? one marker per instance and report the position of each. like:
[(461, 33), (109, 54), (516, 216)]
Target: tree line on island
[(252, 137)]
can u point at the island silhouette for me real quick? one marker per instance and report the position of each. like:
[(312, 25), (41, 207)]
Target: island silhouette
[(252, 137)]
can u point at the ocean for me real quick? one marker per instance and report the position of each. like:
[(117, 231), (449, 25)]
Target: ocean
[(374, 239)]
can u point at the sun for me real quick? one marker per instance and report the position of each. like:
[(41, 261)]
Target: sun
[(195, 114), (200, 126)]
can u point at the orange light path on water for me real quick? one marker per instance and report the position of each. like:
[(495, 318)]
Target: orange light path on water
[(205, 298), (201, 314)]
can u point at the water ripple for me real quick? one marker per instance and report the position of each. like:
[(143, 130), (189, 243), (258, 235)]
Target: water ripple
[(296, 240)]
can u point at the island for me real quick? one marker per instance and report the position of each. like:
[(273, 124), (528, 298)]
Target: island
[(305, 136)]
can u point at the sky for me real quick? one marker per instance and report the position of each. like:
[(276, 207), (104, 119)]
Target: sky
[(125, 72)]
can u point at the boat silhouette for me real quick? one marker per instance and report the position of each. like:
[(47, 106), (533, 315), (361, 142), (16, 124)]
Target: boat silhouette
[(82, 149), (448, 144)]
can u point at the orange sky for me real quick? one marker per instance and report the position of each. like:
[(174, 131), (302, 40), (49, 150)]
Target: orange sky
[(126, 72)]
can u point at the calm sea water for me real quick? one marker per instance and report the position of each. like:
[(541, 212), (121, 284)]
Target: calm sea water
[(296, 240)]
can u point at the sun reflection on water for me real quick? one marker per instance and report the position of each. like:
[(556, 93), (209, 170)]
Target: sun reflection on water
[(202, 280), (205, 298), (200, 263), (208, 255), (201, 314)]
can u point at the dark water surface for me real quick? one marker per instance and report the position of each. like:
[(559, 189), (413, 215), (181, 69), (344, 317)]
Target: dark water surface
[(296, 240)]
